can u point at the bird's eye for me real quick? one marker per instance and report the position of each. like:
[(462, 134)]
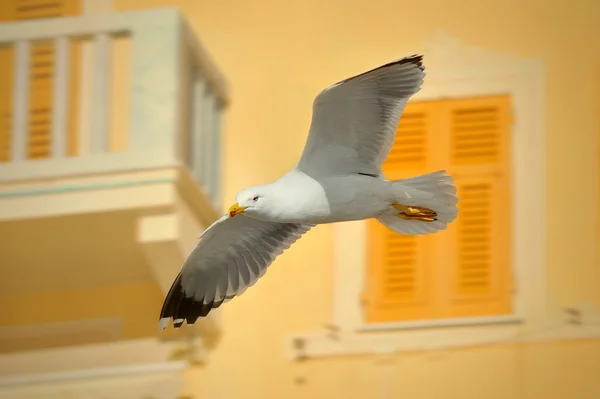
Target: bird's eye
[(255, 198)]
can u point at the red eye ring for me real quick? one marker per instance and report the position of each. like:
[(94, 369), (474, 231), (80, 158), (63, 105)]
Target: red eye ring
[(255, 198)]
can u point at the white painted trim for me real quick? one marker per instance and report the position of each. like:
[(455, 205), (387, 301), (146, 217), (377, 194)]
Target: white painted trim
[(83, 25), (124, 369), (157, 228), (79, 166), (85, 84), (117, 354), (204, 62), (84, 125), (215, 192), (100, 94), (208, 106), (90, 24), (158, 237), (320, 343), (61, 98), (457, 71), (436, 323), (197, 130), (106, 372), (154, 117), (101, 199), (21, 101), (83, 183)]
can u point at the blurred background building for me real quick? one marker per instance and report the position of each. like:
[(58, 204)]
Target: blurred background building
[(127, 127)]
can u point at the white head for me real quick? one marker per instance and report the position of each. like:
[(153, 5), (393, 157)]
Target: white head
[(255, 201)]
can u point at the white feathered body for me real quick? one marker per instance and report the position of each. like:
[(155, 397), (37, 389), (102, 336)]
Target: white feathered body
[(299, 198)]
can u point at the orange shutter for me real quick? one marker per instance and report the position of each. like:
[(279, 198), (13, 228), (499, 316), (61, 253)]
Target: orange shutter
[(400, 279), (480, 240), (41, 81), (464, 270), (6, 89), (409, 151)]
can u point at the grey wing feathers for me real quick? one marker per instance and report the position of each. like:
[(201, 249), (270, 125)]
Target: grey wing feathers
[(230, 257), (354, 121)]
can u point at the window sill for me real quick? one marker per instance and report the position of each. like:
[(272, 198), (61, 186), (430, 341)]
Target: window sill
[(436, 323), (431, 335)]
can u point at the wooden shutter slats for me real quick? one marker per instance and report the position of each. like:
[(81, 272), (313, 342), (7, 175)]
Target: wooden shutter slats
[(41, 73), (481, 238), (41, 79), (38, 9), (464, 270), (478, 207), (410, 145), (481, 235), (399, 277), (475, 134)]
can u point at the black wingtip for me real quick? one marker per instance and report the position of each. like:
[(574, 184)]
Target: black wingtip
[(180, 308), (415, 59)]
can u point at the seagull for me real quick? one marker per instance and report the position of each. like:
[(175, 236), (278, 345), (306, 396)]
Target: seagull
[(337, 179)]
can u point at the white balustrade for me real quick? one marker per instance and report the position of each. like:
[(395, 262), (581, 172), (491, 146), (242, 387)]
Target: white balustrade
[(20, 100), (216, 164), (100, 96), (205, 137), (196, 137), (207, 150), (60, 103), (155, 111)]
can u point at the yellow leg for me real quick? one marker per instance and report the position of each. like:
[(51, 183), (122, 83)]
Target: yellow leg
[(415, 213)]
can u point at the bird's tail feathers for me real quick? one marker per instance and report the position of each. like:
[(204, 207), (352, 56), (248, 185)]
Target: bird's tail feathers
[(422, 194)]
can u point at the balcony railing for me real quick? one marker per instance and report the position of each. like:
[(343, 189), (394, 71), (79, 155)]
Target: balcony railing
[(102, 94)]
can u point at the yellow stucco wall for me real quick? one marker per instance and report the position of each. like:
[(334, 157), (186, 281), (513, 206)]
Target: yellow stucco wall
[(277, 56), (135, 304)]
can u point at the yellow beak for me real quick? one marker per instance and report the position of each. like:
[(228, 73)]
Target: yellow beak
[(236, 209)]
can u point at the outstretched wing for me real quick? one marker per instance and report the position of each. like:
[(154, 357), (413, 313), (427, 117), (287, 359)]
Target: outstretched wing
[(354, 122), (231, 255)]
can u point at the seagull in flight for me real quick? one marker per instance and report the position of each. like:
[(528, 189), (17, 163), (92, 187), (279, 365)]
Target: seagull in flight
[(338, 178)]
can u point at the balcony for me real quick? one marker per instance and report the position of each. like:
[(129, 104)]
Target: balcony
[(110, 154), (130, 91)]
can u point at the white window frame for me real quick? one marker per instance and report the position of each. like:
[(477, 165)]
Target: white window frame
[(455, 71)]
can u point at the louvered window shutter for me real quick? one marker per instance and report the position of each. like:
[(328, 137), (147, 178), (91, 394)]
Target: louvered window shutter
[(464, 270), (480, 279), (41, 79), (409, 151), (399, 284)]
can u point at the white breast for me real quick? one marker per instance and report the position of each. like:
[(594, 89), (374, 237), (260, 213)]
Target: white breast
[(330, 199)]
